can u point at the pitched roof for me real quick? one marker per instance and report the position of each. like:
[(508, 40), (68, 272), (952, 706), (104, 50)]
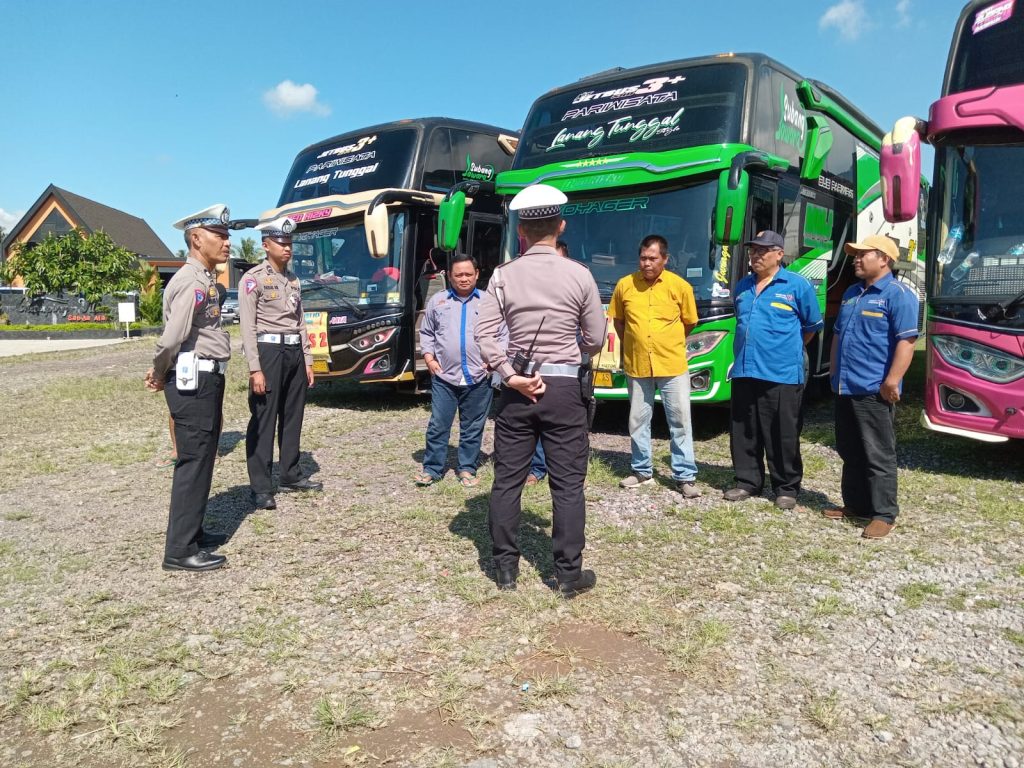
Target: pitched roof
[(126, 230)]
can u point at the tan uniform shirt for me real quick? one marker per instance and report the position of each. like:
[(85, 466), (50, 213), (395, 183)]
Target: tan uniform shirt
[(540, 285), (191, 319), (270, 302)]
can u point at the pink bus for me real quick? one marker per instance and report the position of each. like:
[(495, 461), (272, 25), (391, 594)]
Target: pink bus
[(975, 267)]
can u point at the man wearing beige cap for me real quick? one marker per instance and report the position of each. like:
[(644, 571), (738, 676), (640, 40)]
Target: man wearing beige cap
[(872, 347), (191, 358)]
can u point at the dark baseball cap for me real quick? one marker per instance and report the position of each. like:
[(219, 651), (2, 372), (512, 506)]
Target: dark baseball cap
[(767, 239)]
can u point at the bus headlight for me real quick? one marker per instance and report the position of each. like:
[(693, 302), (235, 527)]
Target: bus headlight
[(703, 342), (979, 360), (700, 381), (373, 339)]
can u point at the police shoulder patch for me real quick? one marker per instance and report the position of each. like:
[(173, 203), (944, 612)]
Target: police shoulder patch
[(200, 296)]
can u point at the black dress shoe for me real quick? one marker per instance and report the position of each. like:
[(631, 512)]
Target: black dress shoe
[(264, 501), (305, 484), (212, 540), (585, 582), (506, 578), (200, 561)]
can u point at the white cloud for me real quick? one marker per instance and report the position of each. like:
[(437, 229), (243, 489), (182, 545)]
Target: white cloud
[(848, 17), (287, 97), (8, 220), (903, 17)]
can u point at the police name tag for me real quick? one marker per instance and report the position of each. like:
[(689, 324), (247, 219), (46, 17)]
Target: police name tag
[(186, 376)]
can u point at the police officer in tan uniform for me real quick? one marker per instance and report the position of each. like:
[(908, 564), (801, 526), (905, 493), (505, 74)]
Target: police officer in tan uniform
[(277, 350), (545, 296), (189, 365)]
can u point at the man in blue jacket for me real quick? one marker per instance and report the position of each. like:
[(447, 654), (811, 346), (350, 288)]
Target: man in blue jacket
[(872, 348), (776, 315)]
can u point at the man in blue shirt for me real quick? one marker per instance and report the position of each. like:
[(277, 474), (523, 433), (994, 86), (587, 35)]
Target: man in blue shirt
[(776, 315), (460, 381), (872, 348)]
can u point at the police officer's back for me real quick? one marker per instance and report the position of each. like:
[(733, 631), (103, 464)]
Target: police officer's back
[(553, 312), (189, 365)]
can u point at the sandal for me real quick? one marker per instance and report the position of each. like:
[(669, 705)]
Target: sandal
[(423, 479), (165, 461), (466, 480)]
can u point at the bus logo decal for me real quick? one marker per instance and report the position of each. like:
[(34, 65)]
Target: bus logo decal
[(478, 172), (994, 14)]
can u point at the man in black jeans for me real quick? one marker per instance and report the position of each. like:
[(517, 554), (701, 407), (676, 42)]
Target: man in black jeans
[(872, 348)]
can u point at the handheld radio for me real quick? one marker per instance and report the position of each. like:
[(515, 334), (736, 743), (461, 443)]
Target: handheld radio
[(523, 363)]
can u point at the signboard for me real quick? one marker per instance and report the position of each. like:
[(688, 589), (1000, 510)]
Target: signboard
[(126, 312), (316, 327)]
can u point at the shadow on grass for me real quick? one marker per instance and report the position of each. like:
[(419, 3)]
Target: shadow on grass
[(228, 442), (225, 511), (534, 541), (364, 397)]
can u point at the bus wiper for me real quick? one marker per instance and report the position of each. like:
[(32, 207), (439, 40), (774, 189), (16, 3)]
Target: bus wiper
[(993, 313), (341, 295)]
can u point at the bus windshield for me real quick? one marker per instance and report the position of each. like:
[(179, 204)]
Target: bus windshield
[(681, 107), (352, 163), (977, 188), (604, 233), (988, 52), (337, 271)]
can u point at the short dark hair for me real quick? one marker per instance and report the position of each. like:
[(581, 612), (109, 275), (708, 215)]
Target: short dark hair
[(538, 229), (657, 240), (457, 258)]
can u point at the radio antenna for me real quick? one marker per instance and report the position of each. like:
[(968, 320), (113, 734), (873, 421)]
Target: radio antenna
[(534, 342)]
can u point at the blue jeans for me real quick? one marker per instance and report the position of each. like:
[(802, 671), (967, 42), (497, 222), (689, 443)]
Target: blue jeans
[(675, 397), (472, 402), (538, 464)]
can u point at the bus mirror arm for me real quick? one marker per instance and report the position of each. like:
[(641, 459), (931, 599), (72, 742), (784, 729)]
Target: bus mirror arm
[(471, 189), (242, 223), (753, 159)]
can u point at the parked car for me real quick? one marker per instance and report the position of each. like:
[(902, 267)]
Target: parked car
[(229, 310)]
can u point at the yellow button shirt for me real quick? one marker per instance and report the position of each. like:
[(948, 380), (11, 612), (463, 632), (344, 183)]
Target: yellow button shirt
[(655, 316)]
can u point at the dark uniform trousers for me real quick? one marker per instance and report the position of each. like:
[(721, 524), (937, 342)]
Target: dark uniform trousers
[(866, 442), (766, 421), (197, 422), (559, 420), (284, 370)]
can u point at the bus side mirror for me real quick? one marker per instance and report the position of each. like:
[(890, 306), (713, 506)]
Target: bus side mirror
[(449, 221), (731, 206), (901, 171), (817, 145), (376, 225)]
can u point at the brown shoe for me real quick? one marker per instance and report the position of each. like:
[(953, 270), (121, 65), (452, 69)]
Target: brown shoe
[(877, 529)]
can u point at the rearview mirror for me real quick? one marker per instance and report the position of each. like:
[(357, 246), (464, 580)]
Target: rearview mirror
[(731, 206), (376, 225), (450, 215), (816, 147), (901, 171)]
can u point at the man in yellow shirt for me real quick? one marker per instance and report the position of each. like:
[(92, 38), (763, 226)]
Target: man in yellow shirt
[(653, 310)]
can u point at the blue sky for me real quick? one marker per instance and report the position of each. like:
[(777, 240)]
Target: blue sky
[(160, 109)]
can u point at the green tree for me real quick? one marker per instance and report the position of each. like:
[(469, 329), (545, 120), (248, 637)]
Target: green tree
[(90, 265), (151, 295), (181, 253), (248, 250)]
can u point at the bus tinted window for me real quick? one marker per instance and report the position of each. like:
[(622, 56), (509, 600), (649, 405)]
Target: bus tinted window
[(989, 51), (685, 107), (354, 163)]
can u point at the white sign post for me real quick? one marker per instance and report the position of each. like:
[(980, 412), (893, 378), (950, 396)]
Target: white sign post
[(126, 315)]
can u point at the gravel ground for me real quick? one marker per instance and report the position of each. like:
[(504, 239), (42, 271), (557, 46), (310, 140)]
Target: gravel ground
[(359, 626)]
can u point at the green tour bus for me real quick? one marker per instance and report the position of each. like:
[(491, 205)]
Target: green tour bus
[(705, 152)]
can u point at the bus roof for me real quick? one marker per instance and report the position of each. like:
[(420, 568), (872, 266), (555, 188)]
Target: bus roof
[(420, 122), (752, 60)]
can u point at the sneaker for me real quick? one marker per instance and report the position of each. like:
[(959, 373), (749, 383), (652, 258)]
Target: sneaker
[(635, 481), (688, 489), (877, 529)]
